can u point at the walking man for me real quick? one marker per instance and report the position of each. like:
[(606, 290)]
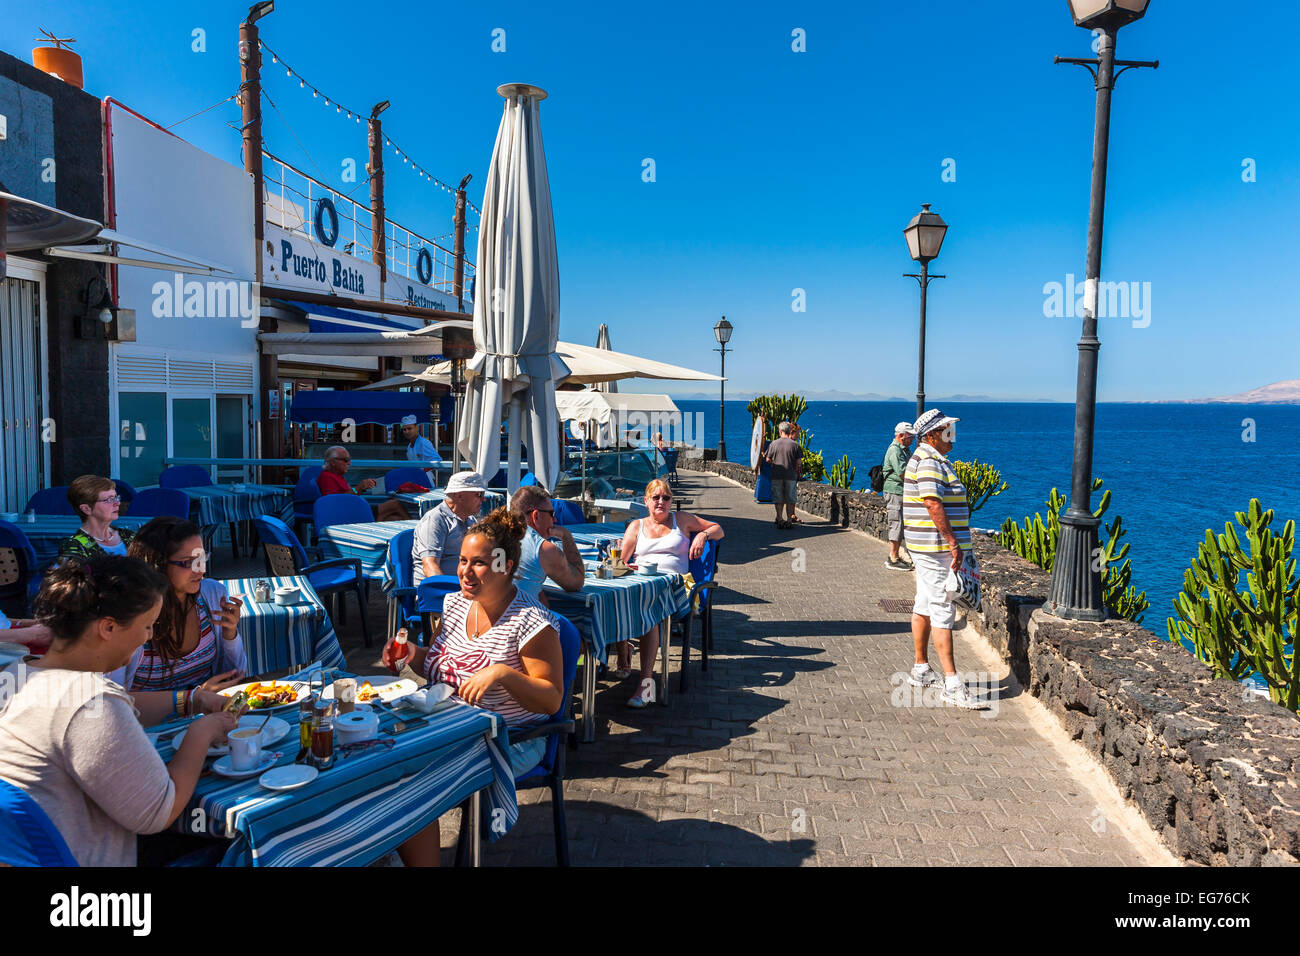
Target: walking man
[(893, 468), (936, 521), (786, 457)]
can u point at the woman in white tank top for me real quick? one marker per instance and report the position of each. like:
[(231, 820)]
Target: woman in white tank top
[(670, 539)]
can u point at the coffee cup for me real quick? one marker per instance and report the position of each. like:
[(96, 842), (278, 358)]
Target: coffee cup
[(245, 748)]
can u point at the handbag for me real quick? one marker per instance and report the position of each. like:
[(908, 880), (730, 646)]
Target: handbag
[(963, 584)]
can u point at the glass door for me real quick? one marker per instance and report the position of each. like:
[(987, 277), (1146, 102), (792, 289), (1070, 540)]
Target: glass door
[(142, 436), (192, 428), (233, 422)]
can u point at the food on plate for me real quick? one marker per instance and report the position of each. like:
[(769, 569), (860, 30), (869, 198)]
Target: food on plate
[(270, 695), (366, 693)]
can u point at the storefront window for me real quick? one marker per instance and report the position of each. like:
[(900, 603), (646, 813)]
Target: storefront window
[(142, 436)]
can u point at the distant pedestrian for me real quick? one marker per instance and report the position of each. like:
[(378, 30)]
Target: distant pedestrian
[(894, 466), (786, 457), (936, 521)]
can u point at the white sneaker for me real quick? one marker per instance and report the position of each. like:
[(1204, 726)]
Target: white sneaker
[(926, 678), (959, 696), (645, 694)]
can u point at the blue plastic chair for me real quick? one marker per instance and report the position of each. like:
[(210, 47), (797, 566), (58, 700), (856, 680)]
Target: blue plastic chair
[(27, 835), (567, 512), (429, 595), (528, 479), (340, 509), (153, 502), (125, 492), (401, 596), (184, 476), (51, 501), (305, 493), (670, 463), (286, 557), (19, 580), (704, 570), (556, 731), (397, 477)]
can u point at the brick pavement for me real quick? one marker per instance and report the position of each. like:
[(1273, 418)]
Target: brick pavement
[(793, 749)]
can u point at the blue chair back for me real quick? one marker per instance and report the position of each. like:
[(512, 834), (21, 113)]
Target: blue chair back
[(399, 558), (16, 593), (670, 460), (705, 566), (153, 502), (339, 509), (305, 493), (184, 476), (274, 531), (397, 477), (51, 501), (528, 479), (570, 649), (125, 492), (430, 592), (27, 835), (567, 512)]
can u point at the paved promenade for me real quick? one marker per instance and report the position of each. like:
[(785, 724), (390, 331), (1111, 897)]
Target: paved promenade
[(791, 751)]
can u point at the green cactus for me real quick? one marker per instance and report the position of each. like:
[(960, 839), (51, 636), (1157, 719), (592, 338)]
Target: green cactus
[(842, 473), (981, 481), (812, 466), (776, 409), (1244, 632)]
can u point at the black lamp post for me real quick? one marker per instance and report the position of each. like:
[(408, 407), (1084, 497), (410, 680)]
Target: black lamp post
[(924, 240), (1076, 576), (722, 332)]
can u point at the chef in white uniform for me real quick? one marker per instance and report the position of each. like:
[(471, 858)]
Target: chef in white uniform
[(419, 448)]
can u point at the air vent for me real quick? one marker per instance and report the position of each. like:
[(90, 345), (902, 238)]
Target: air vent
[(141, 372), (159, 373)]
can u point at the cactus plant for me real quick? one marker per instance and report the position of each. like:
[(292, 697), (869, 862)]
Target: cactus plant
[(1238, 632), (981, 481), (776, 409), (842, 473)]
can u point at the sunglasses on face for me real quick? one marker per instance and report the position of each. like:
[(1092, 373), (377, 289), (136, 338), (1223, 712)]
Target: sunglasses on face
[(196, 563), (661, 497), (545, 511)]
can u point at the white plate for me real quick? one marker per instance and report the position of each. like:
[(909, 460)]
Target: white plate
[(303, 691), (389, 688), (221, 766), (274, 731), (288, 778)]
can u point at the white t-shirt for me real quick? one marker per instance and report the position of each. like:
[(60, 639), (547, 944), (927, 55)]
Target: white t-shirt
[(422, 450)]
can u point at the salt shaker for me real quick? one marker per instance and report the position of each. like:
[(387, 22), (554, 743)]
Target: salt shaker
[(262, 592)]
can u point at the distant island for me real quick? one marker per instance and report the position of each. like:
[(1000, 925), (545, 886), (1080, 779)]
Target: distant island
[(1279, 393)]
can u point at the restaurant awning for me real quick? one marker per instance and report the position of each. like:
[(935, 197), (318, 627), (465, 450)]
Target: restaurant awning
[(425, 341), (363, 408)]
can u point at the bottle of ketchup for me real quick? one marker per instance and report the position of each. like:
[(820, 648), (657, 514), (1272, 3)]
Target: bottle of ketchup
[(401, 652)]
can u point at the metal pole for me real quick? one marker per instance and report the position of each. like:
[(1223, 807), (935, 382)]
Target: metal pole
[(458, 222), (920, 365), (722, 407), (1076, 579), (378, 238)]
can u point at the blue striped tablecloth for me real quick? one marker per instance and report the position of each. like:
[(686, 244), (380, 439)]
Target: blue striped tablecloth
[(618, 609), (426, 501), (278, 636), (222, 504), (48, 532), (607, 529), (366, 541), (368, 803)]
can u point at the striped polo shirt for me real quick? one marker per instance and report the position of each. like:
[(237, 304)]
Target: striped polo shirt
[(930, 475)]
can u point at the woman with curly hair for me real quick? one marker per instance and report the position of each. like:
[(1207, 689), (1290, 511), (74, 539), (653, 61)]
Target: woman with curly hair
[(195, 643), (497, 645)]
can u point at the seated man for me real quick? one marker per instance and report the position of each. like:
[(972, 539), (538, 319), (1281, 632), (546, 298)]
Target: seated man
[(542, 558), (331, 481), (436, 549)]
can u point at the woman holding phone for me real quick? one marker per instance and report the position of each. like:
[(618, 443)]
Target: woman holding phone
[(195, 647)]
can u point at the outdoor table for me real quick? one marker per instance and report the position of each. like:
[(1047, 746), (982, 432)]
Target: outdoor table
[(369, 802), (604, 529), (277, 636), (426, 501), (223, 504), (608, 610), (48, 531), (366, 541)]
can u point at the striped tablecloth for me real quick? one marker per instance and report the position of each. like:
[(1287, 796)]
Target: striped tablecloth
[(366, 541), (278, 636), (618, 609), (426, 501), (368, 803), (607, 529), (222, 504), (48, 532)]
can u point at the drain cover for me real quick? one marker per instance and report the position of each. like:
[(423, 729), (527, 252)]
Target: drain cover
[(895, 606)]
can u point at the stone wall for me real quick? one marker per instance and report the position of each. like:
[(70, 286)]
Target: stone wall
[(1211, 767)]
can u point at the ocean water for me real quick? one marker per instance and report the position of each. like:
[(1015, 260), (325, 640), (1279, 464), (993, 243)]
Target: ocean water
[(1173, 470)]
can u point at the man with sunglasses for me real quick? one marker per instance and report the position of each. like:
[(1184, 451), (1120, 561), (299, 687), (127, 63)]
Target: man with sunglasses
[(541, 557), (333, 481)]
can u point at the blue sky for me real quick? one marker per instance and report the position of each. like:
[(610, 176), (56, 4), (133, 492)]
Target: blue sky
[(778, 170)]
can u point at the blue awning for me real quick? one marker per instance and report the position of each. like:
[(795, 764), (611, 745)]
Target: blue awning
[(326, 318), (363, 408)]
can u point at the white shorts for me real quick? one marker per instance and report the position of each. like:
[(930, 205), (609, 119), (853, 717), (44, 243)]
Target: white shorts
[(931, 595)]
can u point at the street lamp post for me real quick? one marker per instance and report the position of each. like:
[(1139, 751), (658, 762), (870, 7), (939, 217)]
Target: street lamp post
[(924, 236), (722, 332), (1076, 591)]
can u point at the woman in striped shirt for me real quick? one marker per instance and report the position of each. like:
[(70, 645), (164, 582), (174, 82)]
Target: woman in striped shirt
[(497, 645)]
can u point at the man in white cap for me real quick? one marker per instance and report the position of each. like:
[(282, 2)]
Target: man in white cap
[(894, 466), (436, 549), (419, 448), (936, 522)]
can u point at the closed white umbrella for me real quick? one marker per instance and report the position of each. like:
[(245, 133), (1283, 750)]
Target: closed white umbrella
[(602, 342), (517, 302)]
